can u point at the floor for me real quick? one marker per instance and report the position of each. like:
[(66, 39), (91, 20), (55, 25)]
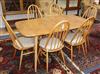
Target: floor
[(81, 65)]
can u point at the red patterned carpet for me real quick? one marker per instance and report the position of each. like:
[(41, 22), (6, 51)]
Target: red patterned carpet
[(96, 71), (9, 65), (89, 65)]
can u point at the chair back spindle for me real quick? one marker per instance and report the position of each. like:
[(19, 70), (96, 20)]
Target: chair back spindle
[(55, 9), (33, 12), (57, 35), (91, 11), (83, 31)]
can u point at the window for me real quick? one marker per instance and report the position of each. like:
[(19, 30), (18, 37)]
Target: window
[(15, 6), (69, 5)]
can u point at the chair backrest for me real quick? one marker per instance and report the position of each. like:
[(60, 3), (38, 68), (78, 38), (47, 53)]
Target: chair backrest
[(11, 33), (57, 35), (33, 12), (44, 5), (83, 31), (55, 9), (91, 11)]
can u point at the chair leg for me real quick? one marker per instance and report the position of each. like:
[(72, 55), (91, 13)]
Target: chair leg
[(72, 53), (86, 48), (83, 50), (47, 61), (62, 54), (14, 53), (38, 56), (21, 57), (79, 49), (88, 42)]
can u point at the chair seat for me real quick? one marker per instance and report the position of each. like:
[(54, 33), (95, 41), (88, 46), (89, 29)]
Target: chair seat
[(75, 40), (48, 47), (26, 43)]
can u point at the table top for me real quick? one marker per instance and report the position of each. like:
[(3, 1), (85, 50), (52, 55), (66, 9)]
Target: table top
[(42, 26)]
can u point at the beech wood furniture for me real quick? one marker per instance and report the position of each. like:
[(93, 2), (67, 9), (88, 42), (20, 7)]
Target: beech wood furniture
[(90, 11), (78, 38), (33, 12), (54, 42), (55, 9), (19, 43), (42, 26)]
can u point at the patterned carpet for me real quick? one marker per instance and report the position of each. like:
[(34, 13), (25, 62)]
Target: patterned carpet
[(81, 65), (9, 65)]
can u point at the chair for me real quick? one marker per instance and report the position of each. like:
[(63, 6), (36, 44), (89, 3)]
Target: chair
[(22, 44), (91, 11), (78, 38), (44, 6), (33, 12), (55, 9), (54, 41)]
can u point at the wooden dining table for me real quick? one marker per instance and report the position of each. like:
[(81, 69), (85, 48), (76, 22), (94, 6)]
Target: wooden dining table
[(41, 26)]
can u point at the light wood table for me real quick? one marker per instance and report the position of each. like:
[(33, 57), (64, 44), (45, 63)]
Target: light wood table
[(42, 26)]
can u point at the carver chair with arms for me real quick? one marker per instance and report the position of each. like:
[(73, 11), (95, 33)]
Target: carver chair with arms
[(33, 12), (78, 38), (54, 41), (22, 44)]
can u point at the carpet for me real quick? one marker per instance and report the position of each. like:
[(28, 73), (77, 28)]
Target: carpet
[(10, 65), (96, 71), (81, 65)]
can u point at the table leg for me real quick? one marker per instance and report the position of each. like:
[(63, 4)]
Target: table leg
[(36, 47)]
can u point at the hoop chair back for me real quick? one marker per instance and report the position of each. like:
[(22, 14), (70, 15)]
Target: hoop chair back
[(33, 12), (80, 36), (55, 9), (57, 36), (11, 33), (91, 11)]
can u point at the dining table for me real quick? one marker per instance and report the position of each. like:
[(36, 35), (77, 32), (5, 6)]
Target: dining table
[(42, 26)]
